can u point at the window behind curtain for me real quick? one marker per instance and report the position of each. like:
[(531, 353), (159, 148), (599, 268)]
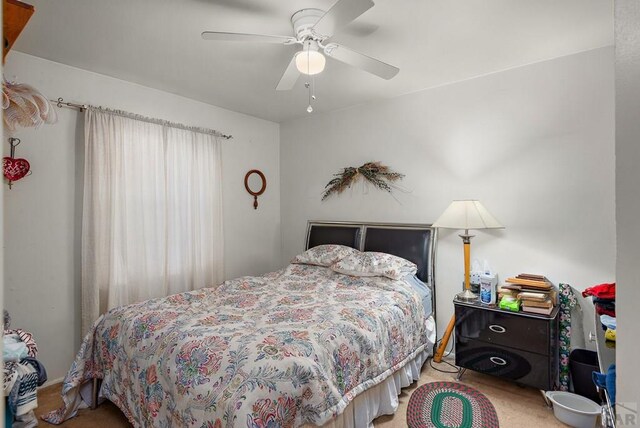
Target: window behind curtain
[(152, 212)]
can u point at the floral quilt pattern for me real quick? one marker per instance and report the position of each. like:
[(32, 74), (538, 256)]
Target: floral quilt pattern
[(280, 350)]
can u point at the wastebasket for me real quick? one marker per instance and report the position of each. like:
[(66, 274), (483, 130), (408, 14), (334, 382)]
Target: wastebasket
[(582, 363)]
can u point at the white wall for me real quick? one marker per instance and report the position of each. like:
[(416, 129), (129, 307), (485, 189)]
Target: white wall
[(534, 144), (628, 209), (42, 212)]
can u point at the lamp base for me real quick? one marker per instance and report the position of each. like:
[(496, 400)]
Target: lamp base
[(467, 295)]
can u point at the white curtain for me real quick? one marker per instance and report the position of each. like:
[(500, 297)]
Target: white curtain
[(152, 212)]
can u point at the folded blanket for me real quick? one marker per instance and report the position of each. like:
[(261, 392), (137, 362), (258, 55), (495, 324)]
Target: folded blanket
[(10, 373), (27, 338), (607, 303), (22, 374), (603, 291), (605, 309), (23, 396), (609, 322), (13, 349), (42, 372)]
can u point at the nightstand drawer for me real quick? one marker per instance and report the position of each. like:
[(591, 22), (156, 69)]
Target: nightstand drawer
[(508, 363), (503, 328)]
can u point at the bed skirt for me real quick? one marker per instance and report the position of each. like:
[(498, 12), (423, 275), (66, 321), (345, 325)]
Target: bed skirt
[(382, 399)]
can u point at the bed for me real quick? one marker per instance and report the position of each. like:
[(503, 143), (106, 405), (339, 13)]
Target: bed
[(305, 345)]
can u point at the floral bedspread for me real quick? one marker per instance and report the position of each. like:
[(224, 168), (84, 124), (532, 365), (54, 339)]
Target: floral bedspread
[(280, 350)]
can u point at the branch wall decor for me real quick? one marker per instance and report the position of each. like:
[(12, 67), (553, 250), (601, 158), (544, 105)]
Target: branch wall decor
[(381, 176)]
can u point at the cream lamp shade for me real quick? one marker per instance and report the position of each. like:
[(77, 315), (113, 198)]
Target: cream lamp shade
[(467, 214)]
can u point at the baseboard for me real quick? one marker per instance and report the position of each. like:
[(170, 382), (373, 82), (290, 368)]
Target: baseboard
[(51, 382)]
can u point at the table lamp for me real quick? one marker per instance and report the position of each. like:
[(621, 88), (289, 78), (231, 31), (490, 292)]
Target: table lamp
[(467, 215)]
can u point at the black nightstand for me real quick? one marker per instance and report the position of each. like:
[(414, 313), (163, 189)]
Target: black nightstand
[(518, 346)]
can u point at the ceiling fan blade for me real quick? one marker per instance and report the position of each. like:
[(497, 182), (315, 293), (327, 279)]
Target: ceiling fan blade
[(290, 76), (340, 14), (245, 37), (364, 62)]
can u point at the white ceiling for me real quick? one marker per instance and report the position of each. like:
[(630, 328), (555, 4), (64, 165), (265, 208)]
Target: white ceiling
[(157, 43)]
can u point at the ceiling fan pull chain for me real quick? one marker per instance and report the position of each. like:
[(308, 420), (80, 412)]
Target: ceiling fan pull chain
[(308, 86), (313, 88), (309, 108)]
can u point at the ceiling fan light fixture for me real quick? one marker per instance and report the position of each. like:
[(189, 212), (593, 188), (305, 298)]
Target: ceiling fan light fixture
[(309, 60), (312, 28)]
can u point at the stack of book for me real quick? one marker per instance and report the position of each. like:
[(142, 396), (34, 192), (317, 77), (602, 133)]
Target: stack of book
[(537, 295)]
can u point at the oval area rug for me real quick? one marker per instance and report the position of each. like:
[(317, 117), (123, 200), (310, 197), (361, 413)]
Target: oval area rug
[(450, 405)]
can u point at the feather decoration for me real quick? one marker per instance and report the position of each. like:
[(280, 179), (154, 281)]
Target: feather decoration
[(24, 106), (374, 172)]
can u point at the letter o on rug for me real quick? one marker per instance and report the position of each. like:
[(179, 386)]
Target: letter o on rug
[(450, 404)]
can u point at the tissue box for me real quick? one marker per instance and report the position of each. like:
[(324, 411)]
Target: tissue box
[(509, 303)]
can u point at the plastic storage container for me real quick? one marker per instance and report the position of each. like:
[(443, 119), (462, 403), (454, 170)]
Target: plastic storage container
[(488, 284), (582, 363), (573, 409)]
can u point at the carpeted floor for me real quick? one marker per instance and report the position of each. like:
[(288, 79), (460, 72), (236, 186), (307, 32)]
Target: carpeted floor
[(516, 406)]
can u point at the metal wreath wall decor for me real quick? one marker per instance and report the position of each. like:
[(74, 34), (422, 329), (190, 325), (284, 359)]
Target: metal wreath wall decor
[(381, 176)]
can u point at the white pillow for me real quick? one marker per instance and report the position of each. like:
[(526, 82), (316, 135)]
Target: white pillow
[(373, 263)]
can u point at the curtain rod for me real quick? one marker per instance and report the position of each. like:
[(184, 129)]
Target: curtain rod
[(60, 102)]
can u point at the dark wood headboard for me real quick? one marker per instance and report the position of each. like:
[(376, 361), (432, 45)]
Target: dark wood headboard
[(414, 242)]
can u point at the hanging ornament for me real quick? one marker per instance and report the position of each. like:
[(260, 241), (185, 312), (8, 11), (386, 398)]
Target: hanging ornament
[(23, 106), (12, 168)]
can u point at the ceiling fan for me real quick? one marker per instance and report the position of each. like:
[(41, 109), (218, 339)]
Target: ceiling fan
[(312, 29)]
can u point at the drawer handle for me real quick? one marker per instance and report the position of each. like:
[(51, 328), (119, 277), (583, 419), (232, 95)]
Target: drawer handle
[(498, 361), (497, 328)]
